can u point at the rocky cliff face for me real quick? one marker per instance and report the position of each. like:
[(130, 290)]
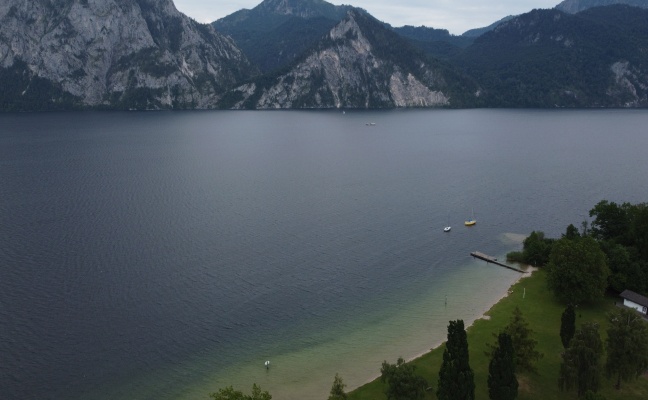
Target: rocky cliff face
[(360, 64), (133, 53)]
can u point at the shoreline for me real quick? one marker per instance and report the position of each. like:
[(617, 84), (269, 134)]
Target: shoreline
[(484, 315), (417, 329)]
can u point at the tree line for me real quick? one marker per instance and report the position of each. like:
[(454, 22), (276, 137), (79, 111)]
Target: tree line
[(611, 254)]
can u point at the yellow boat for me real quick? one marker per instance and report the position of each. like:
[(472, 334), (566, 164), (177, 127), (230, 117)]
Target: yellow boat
[(472, 221)]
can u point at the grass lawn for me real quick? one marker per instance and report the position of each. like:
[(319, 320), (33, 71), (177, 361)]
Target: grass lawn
[(542, 311)]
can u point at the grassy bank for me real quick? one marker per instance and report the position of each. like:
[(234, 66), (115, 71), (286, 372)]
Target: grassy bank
[(543, 313)]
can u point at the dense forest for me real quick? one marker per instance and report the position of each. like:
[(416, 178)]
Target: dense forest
[(618, 231)]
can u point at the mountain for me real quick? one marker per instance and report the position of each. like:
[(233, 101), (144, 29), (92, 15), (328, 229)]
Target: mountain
[(437, 43), (547, 58), (361, 63), (575, 6), (144, 54), (276, 32), (112, 53), (473, 33), (568, 6)]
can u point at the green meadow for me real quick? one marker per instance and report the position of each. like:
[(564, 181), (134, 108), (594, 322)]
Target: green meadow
[(542, 311)]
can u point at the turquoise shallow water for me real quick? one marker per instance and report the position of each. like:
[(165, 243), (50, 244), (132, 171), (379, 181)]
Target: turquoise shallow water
[(409, 328), (164, 255)]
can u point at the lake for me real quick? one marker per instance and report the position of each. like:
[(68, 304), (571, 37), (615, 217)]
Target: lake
[(164, 255)]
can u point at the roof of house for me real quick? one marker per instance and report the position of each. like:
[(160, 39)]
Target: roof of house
[(634, 297)]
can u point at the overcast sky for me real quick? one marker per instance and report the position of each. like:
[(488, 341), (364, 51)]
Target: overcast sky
[(457, 16)]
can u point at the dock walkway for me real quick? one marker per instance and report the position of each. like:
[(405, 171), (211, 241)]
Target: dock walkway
[(493, 260)]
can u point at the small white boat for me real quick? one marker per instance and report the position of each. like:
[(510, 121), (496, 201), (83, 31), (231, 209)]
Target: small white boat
[(447, 227)]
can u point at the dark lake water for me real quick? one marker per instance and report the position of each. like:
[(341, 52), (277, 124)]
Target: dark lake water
[(164, 255)]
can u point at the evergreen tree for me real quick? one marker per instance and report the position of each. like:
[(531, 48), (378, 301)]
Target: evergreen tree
[(229, 393), (567, 325), (502, 383), (337, 390), (627, 346), (572, 232), (523, 343), (402, 382), (456, 378), (581, 365)]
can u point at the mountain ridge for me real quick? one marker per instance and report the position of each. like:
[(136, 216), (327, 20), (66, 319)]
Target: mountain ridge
[(576, 6), (353, 67), (548, 58), (144, 54), (275, 32)]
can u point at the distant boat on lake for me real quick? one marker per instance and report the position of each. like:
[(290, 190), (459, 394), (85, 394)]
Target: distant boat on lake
[(472, 221), (448, 227)]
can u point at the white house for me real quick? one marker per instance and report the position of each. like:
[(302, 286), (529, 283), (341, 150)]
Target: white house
[(635, 300)]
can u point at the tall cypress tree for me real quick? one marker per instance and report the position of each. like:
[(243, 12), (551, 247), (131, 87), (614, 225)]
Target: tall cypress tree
[(502, 383), (523, 343), (567, 325), (456, 378), (337, 390), (581, 365), (627, 346)]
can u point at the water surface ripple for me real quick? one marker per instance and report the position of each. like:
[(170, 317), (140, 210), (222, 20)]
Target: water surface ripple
[(164, 255)]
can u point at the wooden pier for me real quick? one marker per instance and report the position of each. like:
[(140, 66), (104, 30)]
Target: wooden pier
[(493, 260)]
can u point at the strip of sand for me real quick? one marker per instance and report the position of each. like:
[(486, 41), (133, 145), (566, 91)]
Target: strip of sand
[(468, 323)]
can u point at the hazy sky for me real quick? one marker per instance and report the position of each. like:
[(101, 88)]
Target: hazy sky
[(457, 16)]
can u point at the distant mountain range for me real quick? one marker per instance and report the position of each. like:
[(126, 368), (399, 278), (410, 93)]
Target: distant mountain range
[(575, 6), (360, 63), (276, 32), (547, 58), (144, 54)]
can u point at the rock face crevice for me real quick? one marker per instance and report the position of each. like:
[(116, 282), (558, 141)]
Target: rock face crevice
[(137, 53)]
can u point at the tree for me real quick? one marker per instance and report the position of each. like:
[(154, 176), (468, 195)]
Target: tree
[(572, 232), (230, 394), (456, 378), (577, 271), (337, 390), (537, 248), (567, 325), (610, 220), (627, 346), (402, 382), (581, 365), (535, 251), (523, 343), (502, 383)]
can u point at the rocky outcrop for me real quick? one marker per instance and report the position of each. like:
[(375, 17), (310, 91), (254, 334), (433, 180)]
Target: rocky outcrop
[(360, 64), (120, 53), (630, 85)]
